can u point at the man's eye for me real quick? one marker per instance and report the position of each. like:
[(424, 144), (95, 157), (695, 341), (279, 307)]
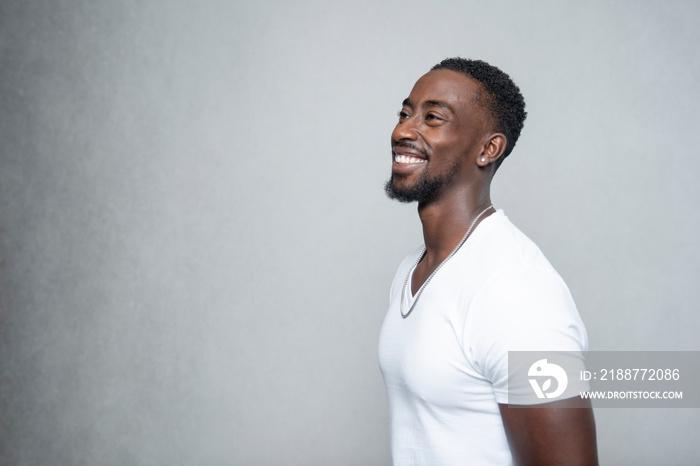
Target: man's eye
[(402, 114), (430, 116)]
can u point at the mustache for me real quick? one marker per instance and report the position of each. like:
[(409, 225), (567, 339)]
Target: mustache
[(413, 147)]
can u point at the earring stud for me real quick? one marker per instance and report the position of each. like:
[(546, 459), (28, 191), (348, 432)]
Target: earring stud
[(483, 159)]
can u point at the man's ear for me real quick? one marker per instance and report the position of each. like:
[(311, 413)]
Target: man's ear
[(494, 146)]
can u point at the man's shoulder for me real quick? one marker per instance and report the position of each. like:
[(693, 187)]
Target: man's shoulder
[(502, 246), (517, 276)]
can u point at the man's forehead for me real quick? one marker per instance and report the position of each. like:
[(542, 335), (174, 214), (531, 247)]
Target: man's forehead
[(444, 87)]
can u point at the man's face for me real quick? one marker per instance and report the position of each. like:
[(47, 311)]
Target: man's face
[(437, 138)]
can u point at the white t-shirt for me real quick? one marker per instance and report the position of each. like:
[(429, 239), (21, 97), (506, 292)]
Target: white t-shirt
[(445, 366)]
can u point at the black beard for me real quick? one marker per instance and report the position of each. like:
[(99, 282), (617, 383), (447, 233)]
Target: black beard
[(424, 191)]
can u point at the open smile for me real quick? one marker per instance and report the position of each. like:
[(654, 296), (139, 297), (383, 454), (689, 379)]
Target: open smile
[(402, 158), (408, 162), (405, 154)]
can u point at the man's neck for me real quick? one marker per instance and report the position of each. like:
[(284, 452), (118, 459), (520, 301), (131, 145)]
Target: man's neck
[(445, 222)]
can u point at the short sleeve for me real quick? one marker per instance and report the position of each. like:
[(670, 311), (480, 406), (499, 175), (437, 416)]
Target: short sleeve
[(520, 309)]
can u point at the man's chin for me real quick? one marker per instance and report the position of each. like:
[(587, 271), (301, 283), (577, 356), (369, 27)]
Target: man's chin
[(424, 191), (396, 195)]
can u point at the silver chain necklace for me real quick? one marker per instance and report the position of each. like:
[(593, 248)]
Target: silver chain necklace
[(430, 277)]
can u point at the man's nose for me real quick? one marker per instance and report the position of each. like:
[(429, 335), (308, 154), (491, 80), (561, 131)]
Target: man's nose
[(404, 130)]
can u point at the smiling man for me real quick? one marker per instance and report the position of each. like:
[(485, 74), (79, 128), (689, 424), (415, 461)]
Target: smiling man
[(477, 289)]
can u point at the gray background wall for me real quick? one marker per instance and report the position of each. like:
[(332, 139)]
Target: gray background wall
[(195, 245)]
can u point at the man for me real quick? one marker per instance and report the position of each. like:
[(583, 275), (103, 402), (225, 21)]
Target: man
[(477, 289)]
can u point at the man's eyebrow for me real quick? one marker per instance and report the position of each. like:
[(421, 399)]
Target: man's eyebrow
[(429, 103), (438, 103)]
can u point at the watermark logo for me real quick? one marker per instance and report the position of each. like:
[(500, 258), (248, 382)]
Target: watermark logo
[(547, 371), (607, 379)]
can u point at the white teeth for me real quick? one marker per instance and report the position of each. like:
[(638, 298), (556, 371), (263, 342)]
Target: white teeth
[(407, 159)]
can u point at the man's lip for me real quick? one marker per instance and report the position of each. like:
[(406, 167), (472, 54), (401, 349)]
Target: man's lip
[(410, 164), (407, 152)]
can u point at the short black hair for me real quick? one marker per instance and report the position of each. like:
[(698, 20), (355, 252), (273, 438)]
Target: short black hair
[(503, 103)]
